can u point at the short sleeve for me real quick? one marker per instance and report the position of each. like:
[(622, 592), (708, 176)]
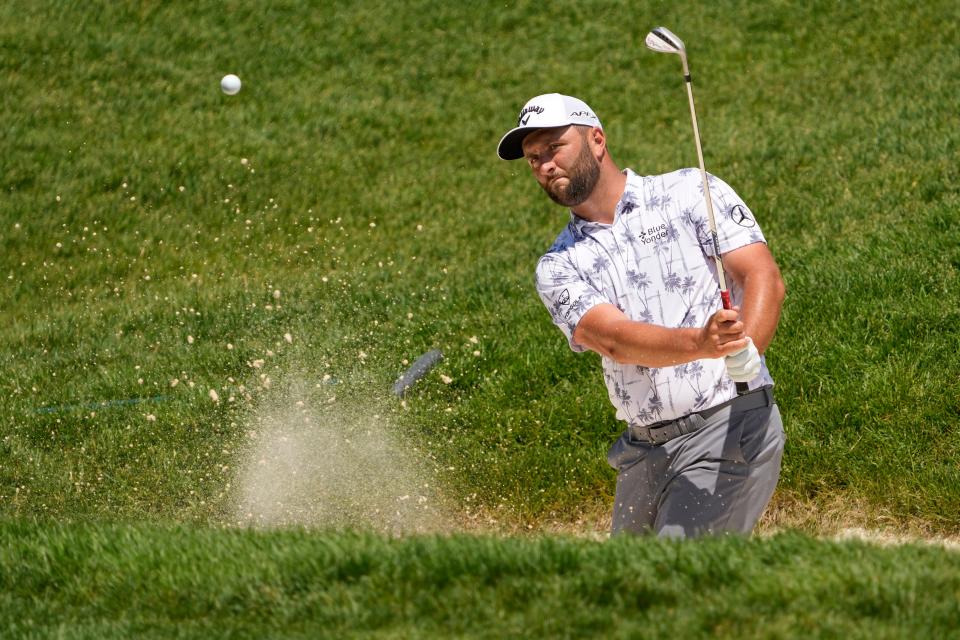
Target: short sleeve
[(736, 225), (565, 294)]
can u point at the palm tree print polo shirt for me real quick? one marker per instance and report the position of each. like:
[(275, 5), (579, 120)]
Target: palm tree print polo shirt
[(655, 263)]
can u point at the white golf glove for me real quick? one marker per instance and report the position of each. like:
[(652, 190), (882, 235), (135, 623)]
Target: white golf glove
[(743, 366)]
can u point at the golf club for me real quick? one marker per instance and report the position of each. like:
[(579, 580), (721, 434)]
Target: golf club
[(417, 370), (663, 40)]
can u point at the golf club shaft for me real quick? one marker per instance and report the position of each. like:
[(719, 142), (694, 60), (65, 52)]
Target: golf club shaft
[(711, 219), (742, 387)]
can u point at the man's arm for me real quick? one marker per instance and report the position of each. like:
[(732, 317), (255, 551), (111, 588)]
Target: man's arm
[(754, 269), (608, 331)]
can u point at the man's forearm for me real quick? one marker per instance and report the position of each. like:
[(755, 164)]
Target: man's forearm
[(608, 331), (648, 345)]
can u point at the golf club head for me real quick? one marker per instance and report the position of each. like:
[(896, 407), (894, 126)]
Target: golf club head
[(663, 40), (417, 370)]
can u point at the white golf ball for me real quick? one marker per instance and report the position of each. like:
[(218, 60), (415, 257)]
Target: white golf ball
[(230, 84)]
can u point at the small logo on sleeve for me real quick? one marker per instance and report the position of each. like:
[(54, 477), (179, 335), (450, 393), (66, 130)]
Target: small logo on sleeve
[(564, 298), (738, 213)]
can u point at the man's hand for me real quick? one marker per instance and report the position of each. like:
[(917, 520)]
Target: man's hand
[(744, 365), (723, 334)]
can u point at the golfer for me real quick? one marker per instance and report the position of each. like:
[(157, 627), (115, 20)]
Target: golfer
[(633, 278)]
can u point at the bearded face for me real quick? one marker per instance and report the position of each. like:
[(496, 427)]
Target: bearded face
[(573, 186)]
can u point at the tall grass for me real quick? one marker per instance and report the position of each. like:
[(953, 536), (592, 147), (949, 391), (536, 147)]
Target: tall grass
[(106, 581)]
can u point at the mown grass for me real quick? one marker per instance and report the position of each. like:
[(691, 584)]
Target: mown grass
[(372, 204), (105, 581), (346, 212)]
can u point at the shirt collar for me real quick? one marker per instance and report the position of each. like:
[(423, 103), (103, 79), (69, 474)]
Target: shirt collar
[(629, 201)]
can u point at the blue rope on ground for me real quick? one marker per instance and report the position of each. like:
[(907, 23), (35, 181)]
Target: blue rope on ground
[(100, 405)]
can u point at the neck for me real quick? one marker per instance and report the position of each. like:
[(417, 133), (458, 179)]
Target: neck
[(602, 203)]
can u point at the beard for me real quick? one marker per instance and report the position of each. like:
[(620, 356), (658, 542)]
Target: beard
[(581, 180)]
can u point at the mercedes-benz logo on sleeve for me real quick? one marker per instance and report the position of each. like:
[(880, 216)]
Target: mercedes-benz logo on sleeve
[(738, 213)]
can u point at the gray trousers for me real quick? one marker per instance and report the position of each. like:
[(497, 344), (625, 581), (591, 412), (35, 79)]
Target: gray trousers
[(717, 479)]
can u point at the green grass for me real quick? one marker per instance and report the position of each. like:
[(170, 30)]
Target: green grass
[(86, 581), (372, 192), (153, 229)]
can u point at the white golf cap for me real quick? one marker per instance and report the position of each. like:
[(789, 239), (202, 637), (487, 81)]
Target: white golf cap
[(545, 112)]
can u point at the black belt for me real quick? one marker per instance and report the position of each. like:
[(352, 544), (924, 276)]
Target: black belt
[(665, 431)]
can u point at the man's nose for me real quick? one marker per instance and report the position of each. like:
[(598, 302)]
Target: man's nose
[(548, 167)]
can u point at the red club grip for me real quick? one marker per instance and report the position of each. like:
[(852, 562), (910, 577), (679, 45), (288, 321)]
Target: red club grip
[(725, 296)]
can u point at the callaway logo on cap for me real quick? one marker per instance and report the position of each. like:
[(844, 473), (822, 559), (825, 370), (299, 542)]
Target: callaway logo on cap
[(545, 112)]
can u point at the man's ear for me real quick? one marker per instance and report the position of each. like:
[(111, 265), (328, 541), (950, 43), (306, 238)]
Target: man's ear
[(599, 142)]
